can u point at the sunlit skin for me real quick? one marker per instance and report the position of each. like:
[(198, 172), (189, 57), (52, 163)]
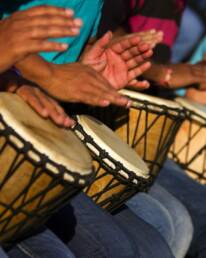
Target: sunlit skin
[(121, 60), (27, 32)]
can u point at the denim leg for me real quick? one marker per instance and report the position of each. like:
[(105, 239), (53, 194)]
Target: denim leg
[(91, 231), (43, 245), (150, 243), (165, 213), (181, 220), (191, 30), (2, 253), (153, 212), (193, 196)]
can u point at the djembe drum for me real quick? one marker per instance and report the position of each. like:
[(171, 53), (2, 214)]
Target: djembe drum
[(120, 173), (150, 126), (41, 168), (189, 148)]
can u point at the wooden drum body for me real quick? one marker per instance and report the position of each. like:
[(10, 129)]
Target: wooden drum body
[(189, 148), (41, 167), (120, 173), (149, 127)]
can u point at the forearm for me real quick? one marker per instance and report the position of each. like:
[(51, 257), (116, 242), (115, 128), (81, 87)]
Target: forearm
[(182, 75), (172, 75), (37, 70)]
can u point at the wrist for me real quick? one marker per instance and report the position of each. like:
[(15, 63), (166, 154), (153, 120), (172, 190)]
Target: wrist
[(36, 70)]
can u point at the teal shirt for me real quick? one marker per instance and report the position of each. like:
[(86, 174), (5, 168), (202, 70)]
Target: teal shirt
[(200, 52), (88, 10)]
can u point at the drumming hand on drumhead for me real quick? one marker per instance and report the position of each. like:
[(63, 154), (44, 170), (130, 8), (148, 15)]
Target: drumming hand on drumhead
[(44, 105), (121, 61), (77, 82), (27, 32)]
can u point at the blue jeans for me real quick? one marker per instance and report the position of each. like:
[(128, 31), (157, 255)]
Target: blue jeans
[(191, 30), (94, 233), (43, 245), (193, 196), (3, 254), (165, 213)]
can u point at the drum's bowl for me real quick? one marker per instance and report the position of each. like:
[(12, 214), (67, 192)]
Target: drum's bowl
[(189, 149), (29, 193), (110, 190), (150, 134)]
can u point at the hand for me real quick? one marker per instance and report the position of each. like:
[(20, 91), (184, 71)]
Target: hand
[(43, 104), (160, 74), (199, 73), (196, 95), (176, 75), (119, 60), (151, 37), (27, 32), (79, 83)]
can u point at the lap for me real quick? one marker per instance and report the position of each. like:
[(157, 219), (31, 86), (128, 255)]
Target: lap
[(42, 245), (150, 243), (91, 231)]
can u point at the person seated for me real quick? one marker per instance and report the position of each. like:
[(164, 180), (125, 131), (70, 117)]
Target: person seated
[(124, 245), (22, 34), (171, 177)]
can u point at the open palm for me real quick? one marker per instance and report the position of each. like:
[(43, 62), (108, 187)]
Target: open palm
[(119, 61)]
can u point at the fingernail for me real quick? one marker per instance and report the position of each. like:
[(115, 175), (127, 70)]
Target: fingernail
[(45, 113), (78, 22), (75, 30), (69, 12), (105, 103), (71, 123), (64, 46), (129, 103)]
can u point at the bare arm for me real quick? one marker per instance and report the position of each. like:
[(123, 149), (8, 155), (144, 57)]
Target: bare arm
[(176, 75)]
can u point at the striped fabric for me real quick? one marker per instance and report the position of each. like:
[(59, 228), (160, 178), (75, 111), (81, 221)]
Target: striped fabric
[(163, 15)]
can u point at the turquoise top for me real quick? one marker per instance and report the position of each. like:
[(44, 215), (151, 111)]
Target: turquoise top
[(88, 10), (199, 53)]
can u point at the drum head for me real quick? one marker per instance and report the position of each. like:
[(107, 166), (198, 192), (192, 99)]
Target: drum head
[(112, 144), (151, 99), (59, 145), (194, 107)]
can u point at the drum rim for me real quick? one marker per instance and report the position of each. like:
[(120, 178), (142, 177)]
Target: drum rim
[(153, 100), (45, 160), (126, 165), (8, 121), (192, 111)]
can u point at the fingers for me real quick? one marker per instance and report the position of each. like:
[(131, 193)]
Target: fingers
[(140, 85), (52, 21), (44, 32), (135, 61), (55, 111), (32, 100), (98, 48), (123, 43), (45, 22), (134, 51), (105, 99), (44, 105), (45, 10), (36, 46), (101, 95), (134, 73)]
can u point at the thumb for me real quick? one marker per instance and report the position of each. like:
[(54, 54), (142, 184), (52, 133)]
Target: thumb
[(101, 44)]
